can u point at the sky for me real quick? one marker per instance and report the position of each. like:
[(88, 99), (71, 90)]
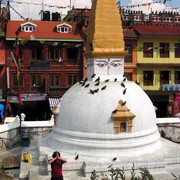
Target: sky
[(31, 9)]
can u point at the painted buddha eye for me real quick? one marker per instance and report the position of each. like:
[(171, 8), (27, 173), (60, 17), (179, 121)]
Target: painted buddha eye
[(115, 64), (102, 64)]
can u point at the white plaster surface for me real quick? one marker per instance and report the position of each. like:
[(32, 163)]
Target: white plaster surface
[(167, 120), (85, 123), (9, 126)]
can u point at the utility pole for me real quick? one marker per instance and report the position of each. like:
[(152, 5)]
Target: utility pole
[(0, 7), (43, 5), (17, 61), (8, 10), (70, 4)]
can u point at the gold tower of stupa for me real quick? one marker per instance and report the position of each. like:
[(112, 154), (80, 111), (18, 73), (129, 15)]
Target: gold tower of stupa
[(105, 33)]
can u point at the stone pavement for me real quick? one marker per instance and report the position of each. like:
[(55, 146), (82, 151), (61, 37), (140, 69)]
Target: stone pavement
[(74, 169)]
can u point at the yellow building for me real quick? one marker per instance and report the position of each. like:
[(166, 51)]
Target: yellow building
[(158, 64)]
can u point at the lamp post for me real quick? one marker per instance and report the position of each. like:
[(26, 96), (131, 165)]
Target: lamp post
[(17, 65)]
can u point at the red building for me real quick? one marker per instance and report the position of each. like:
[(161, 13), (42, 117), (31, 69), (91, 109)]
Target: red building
[(47, 57)]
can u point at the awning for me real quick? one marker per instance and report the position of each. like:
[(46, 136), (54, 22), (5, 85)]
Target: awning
[(53, 102), (27, 97)]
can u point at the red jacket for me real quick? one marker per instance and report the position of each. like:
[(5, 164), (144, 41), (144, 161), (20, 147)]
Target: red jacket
[(56, 167)]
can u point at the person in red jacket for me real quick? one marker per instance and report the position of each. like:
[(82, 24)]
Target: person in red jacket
[(56, 166)]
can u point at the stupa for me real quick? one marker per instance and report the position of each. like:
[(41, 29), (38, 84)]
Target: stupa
[(105, 115), (105, 119)]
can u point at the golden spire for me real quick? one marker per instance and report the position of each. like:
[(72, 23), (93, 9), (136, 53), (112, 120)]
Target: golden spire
[(105, 34)]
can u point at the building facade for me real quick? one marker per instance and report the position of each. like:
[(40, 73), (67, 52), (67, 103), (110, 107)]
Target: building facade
[(158, 56), (50, 57), (44, 59)]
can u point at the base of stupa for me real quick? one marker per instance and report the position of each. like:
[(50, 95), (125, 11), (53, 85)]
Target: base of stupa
[(105, 145), (157, 162)]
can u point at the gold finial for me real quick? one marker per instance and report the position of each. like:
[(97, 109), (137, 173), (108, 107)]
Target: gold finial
[(105, 34)]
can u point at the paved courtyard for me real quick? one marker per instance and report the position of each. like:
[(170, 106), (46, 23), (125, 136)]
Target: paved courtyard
[(39, 170)]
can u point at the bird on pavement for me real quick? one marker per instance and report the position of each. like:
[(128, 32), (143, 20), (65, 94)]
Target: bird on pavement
[(77, 156)]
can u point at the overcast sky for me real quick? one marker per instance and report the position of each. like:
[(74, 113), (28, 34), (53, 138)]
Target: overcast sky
[(32, 8)]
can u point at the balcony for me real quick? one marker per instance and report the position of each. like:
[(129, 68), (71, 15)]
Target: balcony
[(40, 65)]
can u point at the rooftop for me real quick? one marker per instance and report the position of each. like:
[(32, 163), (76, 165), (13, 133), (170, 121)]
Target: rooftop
[(45, 30), (157, 29)]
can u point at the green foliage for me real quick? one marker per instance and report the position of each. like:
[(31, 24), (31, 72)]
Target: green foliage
[(133, 174), (145, 174), (119, 174), (94, 176), (175, 177), (2, 170)]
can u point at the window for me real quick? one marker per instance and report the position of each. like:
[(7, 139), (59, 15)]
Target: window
[(164, 77), (54, 80), (54, 53), (72, 79), (64, 29), (129, 48), (28, 28), (148, 50), (148, 78), (72, 55), (164, 50), (15, 81), (177, 50), (36, 80), (36, 53), (129, 76), (177, 77)]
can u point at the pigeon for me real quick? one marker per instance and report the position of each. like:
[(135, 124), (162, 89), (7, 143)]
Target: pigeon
[(103, 88), (114, 111), (96, 90), (91, 91), (123, 103), (124, 79), (77, 156), (97, 84), (123, 85), (85, 79), (97, 79), (87, 85), (107, 80), (124, 91), (114, 159), (93, 75), (115, 79), (83, 83)]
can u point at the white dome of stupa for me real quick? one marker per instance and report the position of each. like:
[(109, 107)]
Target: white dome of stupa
[(84, 112), (85, 124), (105, 114)]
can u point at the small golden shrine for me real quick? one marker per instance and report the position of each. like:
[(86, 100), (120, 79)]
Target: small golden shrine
[(122, 118)]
